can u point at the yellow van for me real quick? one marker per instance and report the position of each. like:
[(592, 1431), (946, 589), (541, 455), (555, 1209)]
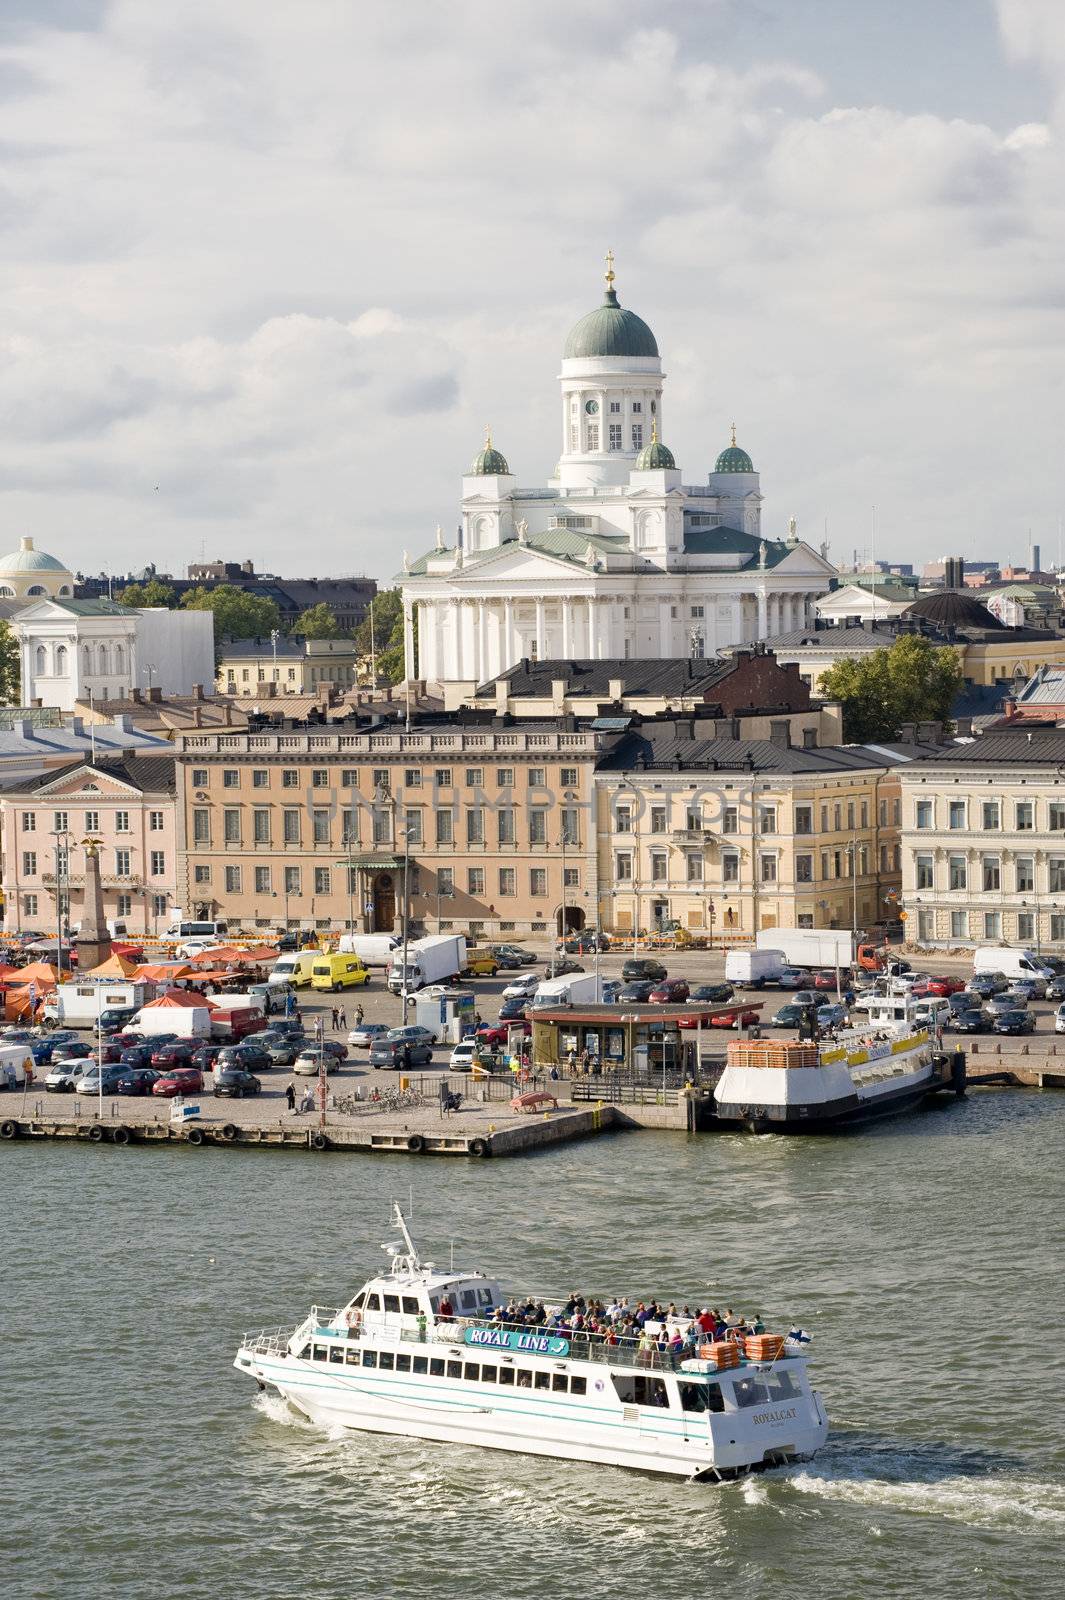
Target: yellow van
[(481, 963), (338, 972)]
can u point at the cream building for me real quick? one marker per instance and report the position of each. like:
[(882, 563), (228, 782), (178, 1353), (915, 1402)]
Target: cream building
[(616, 555), (983, 842), (30, 574)]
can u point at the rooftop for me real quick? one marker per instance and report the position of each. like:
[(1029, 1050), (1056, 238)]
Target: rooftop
[(592, 679), (151, 774), (664, 748), (1023, 747)]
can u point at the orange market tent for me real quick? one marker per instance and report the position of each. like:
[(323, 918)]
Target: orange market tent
[(162, 972), (116, 966), (25, 988), (218, 957), (42, 973), (177, 999), (261, 952)]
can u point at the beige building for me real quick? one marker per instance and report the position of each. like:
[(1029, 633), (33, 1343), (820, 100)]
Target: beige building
[(983, 842), (246, 667), (126, 803)]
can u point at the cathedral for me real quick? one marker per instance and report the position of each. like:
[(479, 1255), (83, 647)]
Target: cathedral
[(616, 556)]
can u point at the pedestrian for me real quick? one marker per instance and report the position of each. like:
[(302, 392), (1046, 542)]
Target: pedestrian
[(290, 1096), (343, 1018), (358, 1016), (334, 1015)]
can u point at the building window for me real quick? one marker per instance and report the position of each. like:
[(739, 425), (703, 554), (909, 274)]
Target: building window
[(445, 827), (232, 878), (475, 777), (443, 777), (991, 816), (992, 873), (992, 925), (924, 878), (538, 826), (804, 819), (475, 880), (260, 778), (957, 870), (157, 861), (322, 883), (730, 867), (505, 777), (290, 778), (121, 821), (29, 822), (694, 865), (769, 869), (29, 905), (571, 877), (320, 778), (623, 867), (622, 819), (923, 814), (615, 436), (730, 820), (804, 869), (865, 814), (29, 863), (508, 881), (231, 826), (261, 825), (379, 777), (659, 867), (637, 407), (199, 777), (593, 435), (124, 905), (1056, 874), (320, 826), (537, 777), (230, 778), (1056, 818), (201, 826), (60, 821), (201, 874), (926, 926), (349, 778), (1025, 819), (445, 881), (292, 880), (290, 826), (637, 436), (767, 819), (570, 832), (658, 819), (262, 880), (159, 905), (1025, 926), (959, 924), (1057, 927), (122, 863), (155, 821), (615, 407), (850, 814), (568, 777), (475, 825), (538, 881), (1025, 870), (382, 825), (506, 824)]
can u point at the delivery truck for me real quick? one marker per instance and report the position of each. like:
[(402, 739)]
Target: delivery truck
[(809, 947), (334, 972), (77, 1005), (753, 969), (576, 989), (433, 960), (1011, 962), (372, 949)]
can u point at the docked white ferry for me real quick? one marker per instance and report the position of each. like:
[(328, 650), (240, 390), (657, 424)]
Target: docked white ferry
[(418, 1352), (885, 1066)]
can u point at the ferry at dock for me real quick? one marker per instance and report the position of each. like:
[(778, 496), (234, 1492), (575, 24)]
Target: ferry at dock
[(418, 1352), (886, 1066)]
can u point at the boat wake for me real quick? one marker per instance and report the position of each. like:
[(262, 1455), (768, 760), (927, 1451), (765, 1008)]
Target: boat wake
[(276, 1409)]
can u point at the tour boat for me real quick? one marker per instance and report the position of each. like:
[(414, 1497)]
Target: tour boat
[(390, 1362), (879, 1069)]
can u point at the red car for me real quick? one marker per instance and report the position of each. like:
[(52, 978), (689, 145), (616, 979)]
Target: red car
[(183, 1080), (733, 1019), (826, 979), (671, 991), (944, 986), (178, 1053), (497, 1033)]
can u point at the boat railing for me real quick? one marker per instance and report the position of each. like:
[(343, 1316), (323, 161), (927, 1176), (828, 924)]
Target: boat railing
[(583, 1346), (266, 1341)]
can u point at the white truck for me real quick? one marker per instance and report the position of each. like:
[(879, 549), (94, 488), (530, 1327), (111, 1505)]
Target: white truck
[(373, 949), (809, 947), (293, 969), (576, 989), (77, 1005), (432, 960), (1012, 963), (751, 969)]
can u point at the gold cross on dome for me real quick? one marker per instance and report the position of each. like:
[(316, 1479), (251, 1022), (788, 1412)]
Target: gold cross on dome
[(610, 269), (733, 433)]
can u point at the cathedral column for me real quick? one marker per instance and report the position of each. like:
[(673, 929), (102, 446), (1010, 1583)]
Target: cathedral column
[(540, 631), (737, 620), (567, 632), (763, 614), (507, 652), (408, 641), (591, 650), (664, 629), (457, 662), (482, 673)]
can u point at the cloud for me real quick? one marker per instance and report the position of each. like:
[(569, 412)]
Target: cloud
[(285, 262)]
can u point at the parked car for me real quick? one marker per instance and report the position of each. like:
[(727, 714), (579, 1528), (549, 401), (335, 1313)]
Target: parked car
[(806, 997), (206, 1056), (364, 1034), (73, 1050), (100, 1079), (114, 1018), (414, 1033), (963, 1000), (586, 943), (64, 1076), (139, 1080), (236, 1083), (986, 984), (999, 1004), (251, 1057), (522, 988), (512, 1010), (932, 1012), (742, 1019), (945, 986), (831, 1016), (1027, 989), (637, 993), (1014, 1022), (178, 1053), (43, 1050), (1055, 989), (643, 968), (180, 1080), (493, 1034), (282, 1052), (788, 1016), (505, 960), (671, 991), (972, 1021), (138, 1055), (1059, 1020), (561, 966), (335, 1047), (610, 990), (463, 1055), (308, 1063), (522, 958), (791, 978), (400, 1053), (826, 978), (712, 993)]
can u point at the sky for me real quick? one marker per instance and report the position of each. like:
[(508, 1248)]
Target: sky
[(269, 268)]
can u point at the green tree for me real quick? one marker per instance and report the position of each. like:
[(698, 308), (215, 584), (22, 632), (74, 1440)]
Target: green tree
[(914, 681), (318, 622), (237, 614), (387, 635), (152, 593), (10, 671)]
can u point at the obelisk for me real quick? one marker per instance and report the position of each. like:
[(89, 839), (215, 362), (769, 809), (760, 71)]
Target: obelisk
[(93, 941)]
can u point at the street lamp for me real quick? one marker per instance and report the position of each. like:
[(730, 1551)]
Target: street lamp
[(62, 870), (274, 637)]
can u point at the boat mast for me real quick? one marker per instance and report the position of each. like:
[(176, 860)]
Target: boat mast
[(400, 1222)]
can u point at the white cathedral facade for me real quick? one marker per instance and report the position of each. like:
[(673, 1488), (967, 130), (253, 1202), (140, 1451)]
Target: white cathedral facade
[(615, 556)]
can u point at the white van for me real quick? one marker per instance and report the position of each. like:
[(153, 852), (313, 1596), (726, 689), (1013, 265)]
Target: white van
[(293, 969), (1011, 962)]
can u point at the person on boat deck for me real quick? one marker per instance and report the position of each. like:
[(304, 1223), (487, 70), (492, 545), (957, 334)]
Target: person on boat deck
[(707, 1320), (758, 1326), (446, 1308)]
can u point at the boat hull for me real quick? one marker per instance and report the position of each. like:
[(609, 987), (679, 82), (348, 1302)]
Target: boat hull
[(829, 1117), (842, 1089)]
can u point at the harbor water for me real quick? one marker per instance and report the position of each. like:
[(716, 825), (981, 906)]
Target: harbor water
[(924, 1255)]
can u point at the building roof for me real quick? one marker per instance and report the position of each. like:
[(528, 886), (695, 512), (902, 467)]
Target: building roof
[(609, 330), (92, 608), (1021, 747), (1046, 687), (654, 457), (22, 742), (662, 748), (27, 559), (951, 609), (846, 635), (288, 646), (591, 679), (732, 541), (151, 774), (489, 462), (733, 458)]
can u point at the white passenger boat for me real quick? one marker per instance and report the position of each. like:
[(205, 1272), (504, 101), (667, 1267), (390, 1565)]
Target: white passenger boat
[(885, 1066), (417, 1352)]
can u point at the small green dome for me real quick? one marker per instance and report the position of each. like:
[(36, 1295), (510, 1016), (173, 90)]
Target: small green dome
[(27, 559), (733, 459), (610, 330), (489, 463), (654, 457)]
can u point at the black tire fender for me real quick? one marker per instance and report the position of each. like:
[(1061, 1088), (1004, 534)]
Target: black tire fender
[(319, 1141), (229, 1132), (415, 1144), (96, 1133), (9, 1128), (480, 1147), (122, 1135), (195, 1136)]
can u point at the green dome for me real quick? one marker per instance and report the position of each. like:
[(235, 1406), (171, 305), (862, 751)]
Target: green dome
[(733, 459), (654, 457), (489, 463), (610, 330), (27, 559)]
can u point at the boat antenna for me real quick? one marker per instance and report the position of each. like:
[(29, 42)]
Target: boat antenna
[(400, 1222), (452, 1255)]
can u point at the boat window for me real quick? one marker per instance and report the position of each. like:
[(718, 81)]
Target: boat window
[(635, 1389), (578, 1386), (524, 1378), (485, 1296), (410, 1305), (782, 1386), (373, 1302), (436, 1367), (542, 1380), (454, 1369), (488, 1374), (336, 1354), (471, 1372), (369, 1358), (387, 1360), (402, 1363), (559, 1384), (351, 1356), (321, 1352), (506, 1376), (469, 1299), (749, 1392), (701, 1397), (304, 1354), (359, 1301), (434, 1301), (420, 1364), (391, 1302)]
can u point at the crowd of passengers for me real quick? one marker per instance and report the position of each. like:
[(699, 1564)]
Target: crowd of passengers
[(645, 1326)]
